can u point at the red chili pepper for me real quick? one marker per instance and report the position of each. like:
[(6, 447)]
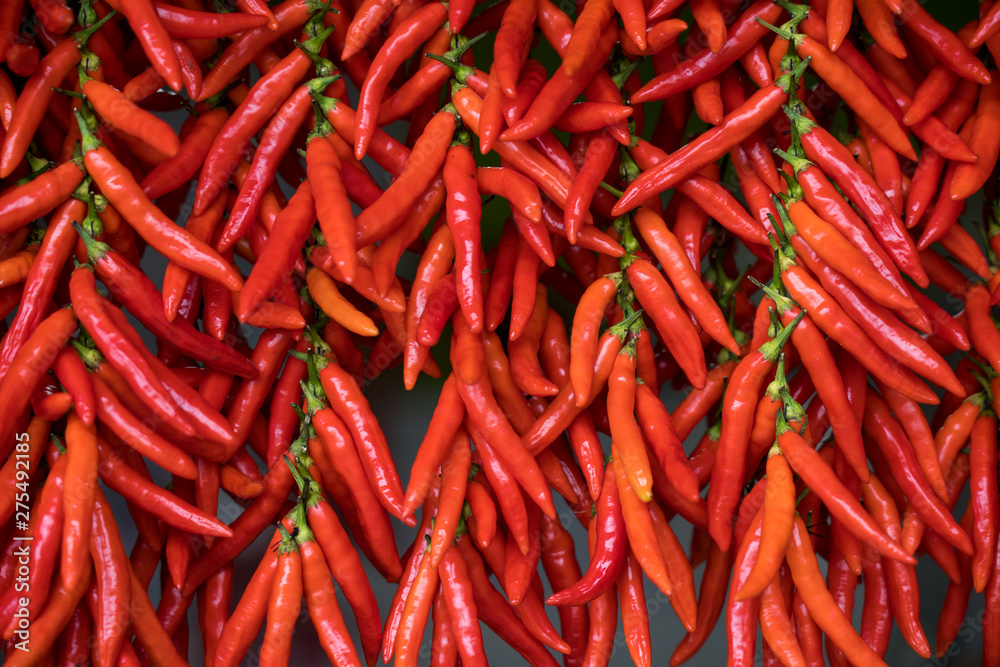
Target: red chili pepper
[(494, 610), (278, 258), (562, 89), (672, 323), (332, 206), (400, 46), (261, 102), (34, 358), (183, 23), (984, 503), (744, 33), (418, 176), (321, 598), (36, 96), (711, 601), (889, 436), (822, 608), (274, 143), (125, 195), (739, 401), (284, 602), (610, 555), (243, 625), (350, 404), (460, 601), (134, 433), (736, 127), (464, 210), (24, 203), (904, 597)]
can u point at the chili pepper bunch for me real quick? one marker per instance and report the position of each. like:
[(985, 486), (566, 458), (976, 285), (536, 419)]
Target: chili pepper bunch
[(765, 214)]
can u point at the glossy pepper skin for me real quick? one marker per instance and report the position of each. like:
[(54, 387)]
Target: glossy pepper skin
[(283, 314), (610, 553)]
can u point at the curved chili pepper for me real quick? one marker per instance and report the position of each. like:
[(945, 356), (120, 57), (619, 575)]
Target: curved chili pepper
[(562, 569), (628, 443), (512, 35), (263, 100), (778, 514), (561, 90), (744, 33), (274, 143), (341, 450), (843, 80), (953, 611), (835, 323), (460, 601), (822, 481), (35, 97), (284, 602), (739, 401), (990, 620), (324, 292), (33, 359), (125, 116), (454, 479), (144, 20), (610, 554), (321, 600), (418, 176), (413, 31), (672, 324), (689, 286), (890, 439), (736, 127), (642, 535), (444, 645), (489, 420), (57, 613), (136, 434), (137, 293), (862, 190), (183, 23), (822, 607), (350, 404), (78, 499), (289, 15), (336, 218), (208, 423), (711, 601), (244, 624), (949, 48), (904, 597), (463, 213), (45, 531), (126, 196), (815, 356), (445, 422), (113, 583), (498, 615), (22, 204), (776, 624), (278, 258), (985, 507), (911, 418), (529, 161), (126, 481)]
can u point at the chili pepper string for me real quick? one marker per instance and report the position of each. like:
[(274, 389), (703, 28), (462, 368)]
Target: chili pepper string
[(648, 272)]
